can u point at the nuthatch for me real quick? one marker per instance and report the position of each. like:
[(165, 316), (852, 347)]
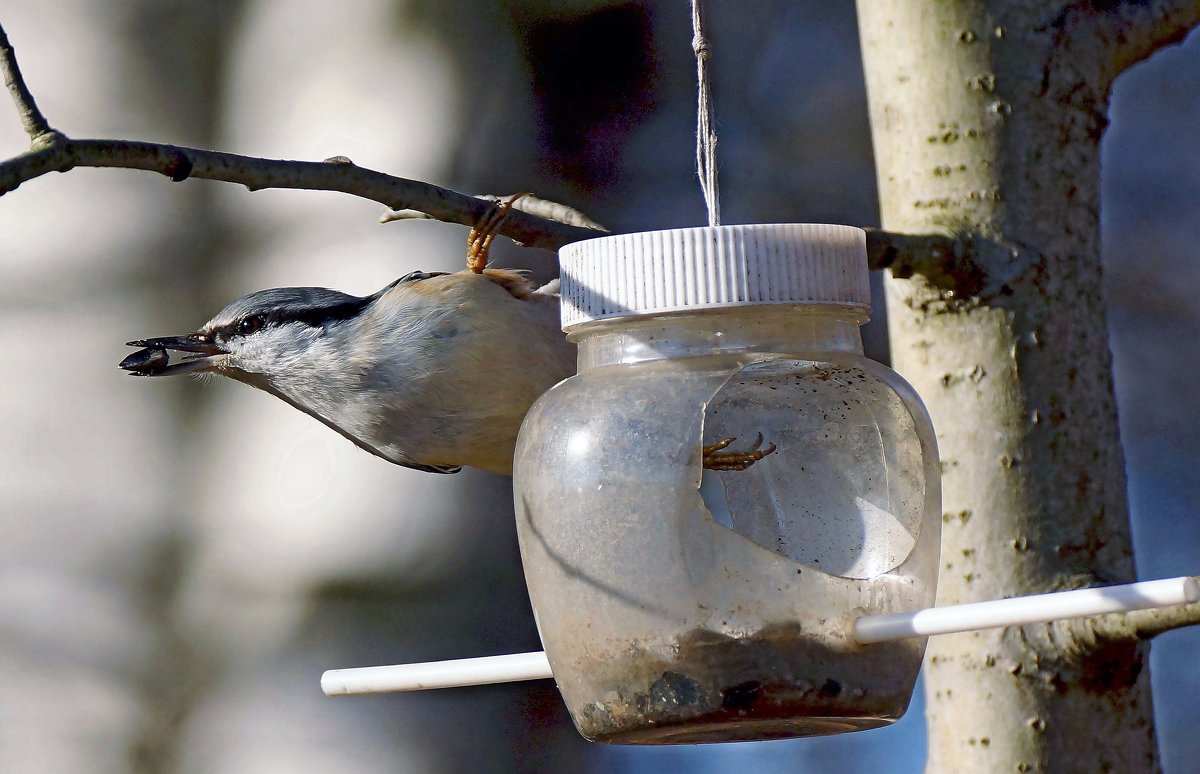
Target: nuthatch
[(433, 372)]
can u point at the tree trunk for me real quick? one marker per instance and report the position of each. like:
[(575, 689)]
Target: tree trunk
[(987, 118)]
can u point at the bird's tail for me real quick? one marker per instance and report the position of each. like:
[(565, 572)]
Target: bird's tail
[(518, 283)]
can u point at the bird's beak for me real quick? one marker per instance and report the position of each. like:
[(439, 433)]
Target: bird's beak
[(153, 360)]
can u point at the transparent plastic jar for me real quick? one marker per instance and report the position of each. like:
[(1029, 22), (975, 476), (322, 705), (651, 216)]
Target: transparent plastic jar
[(679, 604)]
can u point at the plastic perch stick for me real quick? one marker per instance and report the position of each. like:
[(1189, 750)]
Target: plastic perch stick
[(1039, 608), (1017, 611)]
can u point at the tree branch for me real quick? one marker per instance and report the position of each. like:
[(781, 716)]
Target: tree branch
[(1079, 638), (52, 151), (949, 263), (944, 262), (339, 174), (543, 208), (1138, 29), (1127, 31), (34, 122), (1139, 624)]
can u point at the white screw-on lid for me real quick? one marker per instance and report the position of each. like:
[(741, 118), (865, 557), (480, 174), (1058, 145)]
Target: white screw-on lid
[(655, 272)]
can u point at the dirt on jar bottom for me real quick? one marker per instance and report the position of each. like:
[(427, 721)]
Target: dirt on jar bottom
[(776, 684), (729, 727)]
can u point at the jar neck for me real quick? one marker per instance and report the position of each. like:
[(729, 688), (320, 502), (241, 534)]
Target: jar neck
[(783, 329)]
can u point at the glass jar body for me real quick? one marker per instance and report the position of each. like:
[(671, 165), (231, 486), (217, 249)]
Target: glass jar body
[(679, 604)]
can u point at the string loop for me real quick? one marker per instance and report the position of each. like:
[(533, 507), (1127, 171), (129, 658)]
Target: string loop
[(706, 133)]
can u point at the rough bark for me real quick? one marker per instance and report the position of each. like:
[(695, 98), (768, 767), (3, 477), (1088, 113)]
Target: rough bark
[(987, 118)]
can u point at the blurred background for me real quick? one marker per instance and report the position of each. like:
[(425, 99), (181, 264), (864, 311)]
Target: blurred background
[(180, 561)]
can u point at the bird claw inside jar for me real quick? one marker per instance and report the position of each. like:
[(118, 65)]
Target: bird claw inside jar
[(715, 458)]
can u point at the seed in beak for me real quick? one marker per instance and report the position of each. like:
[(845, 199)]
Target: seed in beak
[(146, 362)]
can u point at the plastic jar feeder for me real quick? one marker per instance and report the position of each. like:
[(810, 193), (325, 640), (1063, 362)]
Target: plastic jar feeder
[(679, 603)]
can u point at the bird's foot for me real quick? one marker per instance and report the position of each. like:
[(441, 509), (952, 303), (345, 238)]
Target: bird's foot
[(479, 241), (714, 458)]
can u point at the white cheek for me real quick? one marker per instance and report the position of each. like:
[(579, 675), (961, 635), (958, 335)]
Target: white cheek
[(278, 348)]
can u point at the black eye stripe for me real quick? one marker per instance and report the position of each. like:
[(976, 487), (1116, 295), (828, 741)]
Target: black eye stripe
[(314, 317), (314, 307)]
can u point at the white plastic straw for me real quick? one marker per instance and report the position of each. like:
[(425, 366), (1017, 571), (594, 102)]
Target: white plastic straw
[(1039, 608), (437, 674)]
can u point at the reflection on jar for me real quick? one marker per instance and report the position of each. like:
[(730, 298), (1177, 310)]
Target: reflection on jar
[(844, 489)]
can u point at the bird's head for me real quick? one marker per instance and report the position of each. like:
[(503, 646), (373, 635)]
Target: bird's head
[(253, 339), (433, 372)]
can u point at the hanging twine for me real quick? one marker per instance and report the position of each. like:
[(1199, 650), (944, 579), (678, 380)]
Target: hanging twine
[(706, 133)]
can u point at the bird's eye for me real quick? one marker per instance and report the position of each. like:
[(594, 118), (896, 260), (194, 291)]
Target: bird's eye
[(248, 325)]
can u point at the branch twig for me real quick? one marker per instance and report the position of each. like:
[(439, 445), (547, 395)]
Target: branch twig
[(1139, 624), (1077, 639), (339, 174), (944, 262), (52, 151), (1120, 34), (543, 208), (931, 255), (1135, 30), (34, 122)]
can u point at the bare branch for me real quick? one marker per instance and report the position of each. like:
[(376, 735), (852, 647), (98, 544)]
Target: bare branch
[(945, 262), (905, 254), (1138, 29), (1124, 32), (1151, 623), (1090, 635), (337, 174), (941, 260), (35, 123), (1145, 624), (53, 151), (556, 211), (543, 208)]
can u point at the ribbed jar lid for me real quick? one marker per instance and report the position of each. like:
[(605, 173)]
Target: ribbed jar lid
[(684, 269)]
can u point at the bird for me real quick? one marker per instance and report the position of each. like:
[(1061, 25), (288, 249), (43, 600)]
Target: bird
[(434, 372)]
